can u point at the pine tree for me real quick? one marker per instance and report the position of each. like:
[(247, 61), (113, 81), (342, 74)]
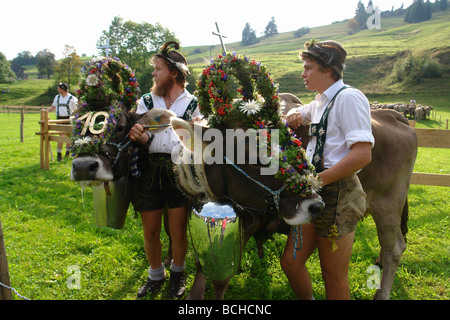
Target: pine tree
[(248, 35), (418, 11), (271, 28)]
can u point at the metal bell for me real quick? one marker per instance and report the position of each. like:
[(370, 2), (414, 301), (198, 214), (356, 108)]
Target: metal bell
[(217, 237), (111, 201)]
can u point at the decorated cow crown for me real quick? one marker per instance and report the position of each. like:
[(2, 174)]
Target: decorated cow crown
[(236, 91), (108, 88)]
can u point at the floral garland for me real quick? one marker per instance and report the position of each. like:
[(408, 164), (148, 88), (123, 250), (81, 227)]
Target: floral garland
[(239, 92), (108, 88)]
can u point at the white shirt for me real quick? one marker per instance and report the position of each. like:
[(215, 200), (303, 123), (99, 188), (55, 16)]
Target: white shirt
[(62, 111), (348, 122), (166, 140)]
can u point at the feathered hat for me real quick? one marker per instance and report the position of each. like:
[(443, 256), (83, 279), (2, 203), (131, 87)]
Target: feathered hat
[(175, 58)]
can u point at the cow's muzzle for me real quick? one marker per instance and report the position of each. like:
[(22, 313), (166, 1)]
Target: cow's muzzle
[(91, 168)]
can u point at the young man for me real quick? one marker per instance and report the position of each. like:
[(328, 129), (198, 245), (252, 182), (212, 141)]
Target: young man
[(64, 106), (340, 145), (156, 185)]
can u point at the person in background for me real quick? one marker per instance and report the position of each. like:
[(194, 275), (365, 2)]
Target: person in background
[(64, 105)]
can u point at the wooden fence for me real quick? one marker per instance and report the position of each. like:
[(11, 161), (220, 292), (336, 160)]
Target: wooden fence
[(432, 138), (51, 130), (59, 130), (19, 109)]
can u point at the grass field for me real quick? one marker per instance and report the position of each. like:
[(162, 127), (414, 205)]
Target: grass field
[(49, 227)]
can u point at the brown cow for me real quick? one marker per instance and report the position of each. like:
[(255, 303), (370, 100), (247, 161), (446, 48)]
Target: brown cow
[(385, 181)]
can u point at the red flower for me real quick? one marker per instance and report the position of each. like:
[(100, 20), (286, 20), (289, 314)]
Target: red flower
[(297, 142)]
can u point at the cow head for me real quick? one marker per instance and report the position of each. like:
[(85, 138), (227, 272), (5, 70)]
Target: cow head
[(105, 157), (252, 186), (108, 158)]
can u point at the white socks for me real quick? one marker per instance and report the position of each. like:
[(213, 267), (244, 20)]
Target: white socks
[(157, 274), (160, 273)]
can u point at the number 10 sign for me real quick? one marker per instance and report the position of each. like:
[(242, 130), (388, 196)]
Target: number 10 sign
[(91, 118)]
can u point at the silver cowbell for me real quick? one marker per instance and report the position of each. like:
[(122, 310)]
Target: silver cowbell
[(217, 237)]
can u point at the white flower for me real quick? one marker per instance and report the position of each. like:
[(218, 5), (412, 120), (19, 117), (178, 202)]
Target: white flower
[(314, 182), (92, 80), (250, 107), (85, 140)]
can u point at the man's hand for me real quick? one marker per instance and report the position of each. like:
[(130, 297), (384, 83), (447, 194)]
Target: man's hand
[(138, 134), (294, 118)]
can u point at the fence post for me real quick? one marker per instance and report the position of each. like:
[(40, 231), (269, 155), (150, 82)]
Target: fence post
[(22, 118), (5, 293), (45, 143)]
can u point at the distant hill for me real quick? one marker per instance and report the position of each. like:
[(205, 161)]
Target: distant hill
[(371, 53)]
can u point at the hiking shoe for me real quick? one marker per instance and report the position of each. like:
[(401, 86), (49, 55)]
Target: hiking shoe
[(177, 284), (150, 286)]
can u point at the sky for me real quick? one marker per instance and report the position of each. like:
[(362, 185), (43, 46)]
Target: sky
[(33, 26)]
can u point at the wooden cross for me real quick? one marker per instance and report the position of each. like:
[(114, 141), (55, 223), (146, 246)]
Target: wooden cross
[(220, 37), (107, 46)]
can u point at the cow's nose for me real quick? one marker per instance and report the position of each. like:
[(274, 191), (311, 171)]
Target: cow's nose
[(316, 209)]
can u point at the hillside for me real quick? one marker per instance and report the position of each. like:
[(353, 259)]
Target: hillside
[(371, 53), (371, 57)]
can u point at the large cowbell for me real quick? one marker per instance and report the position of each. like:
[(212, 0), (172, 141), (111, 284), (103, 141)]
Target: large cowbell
[(217, 237), (111, 202)]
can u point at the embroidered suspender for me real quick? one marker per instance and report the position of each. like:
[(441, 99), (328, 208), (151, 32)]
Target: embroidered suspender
[(62, 105), (187, 116), (319, 130)]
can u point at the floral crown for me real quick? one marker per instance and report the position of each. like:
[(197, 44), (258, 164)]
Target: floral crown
[(108, 88), (240, 92)]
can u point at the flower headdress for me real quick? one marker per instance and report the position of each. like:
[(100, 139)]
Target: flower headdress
[(237, 91), (108, 88)]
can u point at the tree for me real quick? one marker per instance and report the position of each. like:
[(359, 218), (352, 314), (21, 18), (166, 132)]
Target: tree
[(248, 35), (361, 15), (69, 69), (301, 32), (46, 63), (24, 58), (443, 5), (6, 74), (135, 42), (353, 25), (418, 11), (271, 28)]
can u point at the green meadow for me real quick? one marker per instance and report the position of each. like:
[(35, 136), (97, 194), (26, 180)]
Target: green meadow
[(49, 225)]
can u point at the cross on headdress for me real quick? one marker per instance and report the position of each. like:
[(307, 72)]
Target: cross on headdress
[(220, 37), (107, 47)]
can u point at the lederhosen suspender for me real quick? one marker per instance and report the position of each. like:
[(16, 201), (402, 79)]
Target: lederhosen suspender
[(148, 101), (187, 116), (319, 130), (62, 105)]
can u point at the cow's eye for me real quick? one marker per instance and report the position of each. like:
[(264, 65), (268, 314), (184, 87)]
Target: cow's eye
[(120, 129)]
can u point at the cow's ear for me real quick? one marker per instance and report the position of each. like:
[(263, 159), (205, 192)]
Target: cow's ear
[(156, 119), (185, 131)]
